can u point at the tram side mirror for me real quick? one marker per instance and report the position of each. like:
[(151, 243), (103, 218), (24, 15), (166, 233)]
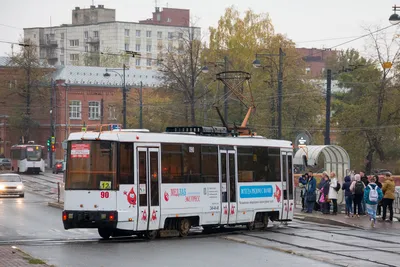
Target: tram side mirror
[(305, 161)]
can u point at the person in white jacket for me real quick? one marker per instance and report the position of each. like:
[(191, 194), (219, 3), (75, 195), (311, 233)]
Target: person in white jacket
[(333, 194)]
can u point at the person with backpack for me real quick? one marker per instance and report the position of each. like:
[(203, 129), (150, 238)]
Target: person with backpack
[(302, 185), (348, 195), (379, 184), (365, 180), (333, 192), (357, 187), (372, 195), (388, 188), (310, 193)]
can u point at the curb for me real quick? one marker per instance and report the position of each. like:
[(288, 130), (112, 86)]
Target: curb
[(56, 205), (324, 221), (287, 251)]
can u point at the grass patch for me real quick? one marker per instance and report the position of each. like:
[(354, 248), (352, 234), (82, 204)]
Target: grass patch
[(36, 261)]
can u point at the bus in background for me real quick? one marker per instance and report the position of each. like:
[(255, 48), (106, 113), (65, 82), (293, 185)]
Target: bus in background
[(27, 158)]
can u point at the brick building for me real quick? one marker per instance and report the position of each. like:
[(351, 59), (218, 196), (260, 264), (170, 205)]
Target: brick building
[(315, 60)]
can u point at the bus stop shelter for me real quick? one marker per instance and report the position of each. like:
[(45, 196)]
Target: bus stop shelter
[(336, 160)]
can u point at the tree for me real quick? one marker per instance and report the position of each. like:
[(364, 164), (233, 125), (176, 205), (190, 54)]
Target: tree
[(31, 85), (181, 67), (367, 113), (240, 39)]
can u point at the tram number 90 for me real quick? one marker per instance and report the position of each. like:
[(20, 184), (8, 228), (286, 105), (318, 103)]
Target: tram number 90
[(104, 194)]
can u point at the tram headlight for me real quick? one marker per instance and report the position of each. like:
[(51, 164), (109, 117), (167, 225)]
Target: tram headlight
[(1, 187), (20, 187)]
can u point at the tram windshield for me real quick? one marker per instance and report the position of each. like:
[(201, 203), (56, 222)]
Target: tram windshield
[(92, 165), (33, 153)]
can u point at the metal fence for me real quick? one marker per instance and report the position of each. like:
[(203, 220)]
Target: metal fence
[(396, 202)]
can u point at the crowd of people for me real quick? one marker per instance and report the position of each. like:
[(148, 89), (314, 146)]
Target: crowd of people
[(363, 195)]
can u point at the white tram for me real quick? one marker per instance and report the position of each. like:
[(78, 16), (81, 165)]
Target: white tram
[(133, 182)]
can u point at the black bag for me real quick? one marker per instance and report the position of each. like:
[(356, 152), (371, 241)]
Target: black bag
[(337, 187), (311, 197)]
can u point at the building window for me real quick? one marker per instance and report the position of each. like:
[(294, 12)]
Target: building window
[(126, 47), (86, 34), (62, 50), (137, 47), (86, 48), (62, 63), (94, 110), (169, 20), (126, 32), (148, 63), (170, 35), (148, 48), (112, 114), (180, 45), (308, 70), (148, 34), (75, 109), (159, 35), (95, 48), (137, 33), (74, 42), (170, 47), (62, 35), (96, 34), (138, 62), (180, 35), (74, 57)]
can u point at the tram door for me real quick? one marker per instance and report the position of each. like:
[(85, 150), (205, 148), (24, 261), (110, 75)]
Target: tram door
[(227, 160), (287, 186), (148, 173)]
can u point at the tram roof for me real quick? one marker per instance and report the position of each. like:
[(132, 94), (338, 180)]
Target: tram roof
[(143, 136)]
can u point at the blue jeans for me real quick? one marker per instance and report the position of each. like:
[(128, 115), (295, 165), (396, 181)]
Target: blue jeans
[(364, 208), (310, 206), (349, 204)]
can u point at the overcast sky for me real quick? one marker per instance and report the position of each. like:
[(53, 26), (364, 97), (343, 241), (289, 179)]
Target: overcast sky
[(303, 21)]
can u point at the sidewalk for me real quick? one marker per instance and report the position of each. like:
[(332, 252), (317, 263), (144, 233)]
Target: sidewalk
[(14, 257), (340, 220)]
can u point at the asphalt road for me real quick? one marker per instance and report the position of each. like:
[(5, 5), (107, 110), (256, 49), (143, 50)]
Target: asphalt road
[(37, 229)]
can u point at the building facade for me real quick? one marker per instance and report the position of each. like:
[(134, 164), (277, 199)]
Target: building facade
[(315, 60), (95, 31)]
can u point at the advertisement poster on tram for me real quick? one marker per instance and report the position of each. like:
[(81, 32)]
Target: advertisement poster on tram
[(206, 196), (256, 195), (80, 150)]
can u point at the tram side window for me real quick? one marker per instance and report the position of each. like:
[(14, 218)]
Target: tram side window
[(274, 165), (126, 174), (191, 163), (245, 164), (209, 164), (171, 163)]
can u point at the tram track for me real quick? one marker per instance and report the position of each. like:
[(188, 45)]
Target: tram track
[(351, 235)]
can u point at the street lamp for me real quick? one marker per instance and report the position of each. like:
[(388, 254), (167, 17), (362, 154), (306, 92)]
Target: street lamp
[(395, 18), (257, 64), (106, 75), (205, 70)]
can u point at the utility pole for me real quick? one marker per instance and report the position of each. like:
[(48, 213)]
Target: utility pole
[(226, 92), (52, 130), (328, 107), (280, 83), (124, 98), (101, 110), (141, 105)]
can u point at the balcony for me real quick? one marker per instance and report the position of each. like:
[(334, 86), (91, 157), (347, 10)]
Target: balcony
[(92, 40), (49, 42)]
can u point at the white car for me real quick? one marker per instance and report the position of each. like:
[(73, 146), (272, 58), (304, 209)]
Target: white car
[(11, 184)]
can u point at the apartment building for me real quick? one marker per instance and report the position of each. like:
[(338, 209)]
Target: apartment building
[(94, 31)]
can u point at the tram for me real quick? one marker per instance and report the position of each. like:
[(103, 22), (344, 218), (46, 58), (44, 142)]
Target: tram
[(27, 158), (135, 182)]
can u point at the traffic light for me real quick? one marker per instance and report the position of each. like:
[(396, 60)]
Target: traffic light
[(48, 144), (53, 148), (53, 140)]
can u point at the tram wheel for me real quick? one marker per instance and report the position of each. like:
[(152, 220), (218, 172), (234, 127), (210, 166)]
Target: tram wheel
[(184, 227), (151, 235), (265, 221), (105, 233), (251, 226)]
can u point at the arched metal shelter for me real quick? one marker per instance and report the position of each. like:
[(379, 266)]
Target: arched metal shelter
[(336, 160)]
